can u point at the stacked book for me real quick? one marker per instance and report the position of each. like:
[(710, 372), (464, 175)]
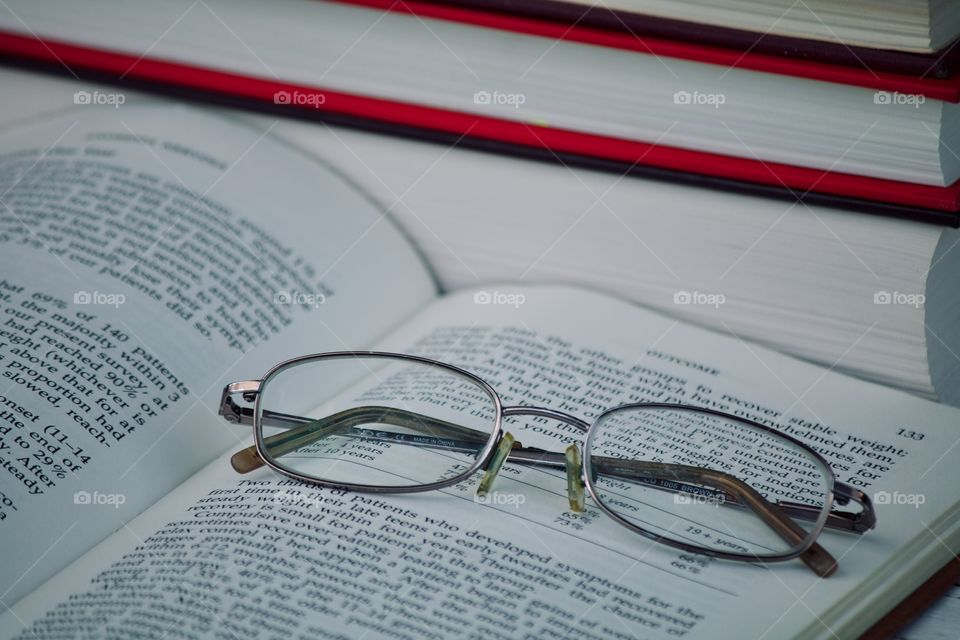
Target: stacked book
[(836, 102), (818, 108)]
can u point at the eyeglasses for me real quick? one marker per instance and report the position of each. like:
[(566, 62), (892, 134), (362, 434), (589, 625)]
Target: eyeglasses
[(689, 477)]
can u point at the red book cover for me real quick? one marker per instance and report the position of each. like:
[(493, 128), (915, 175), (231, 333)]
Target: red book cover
[(923, 202), (935, 64), (946, 89)]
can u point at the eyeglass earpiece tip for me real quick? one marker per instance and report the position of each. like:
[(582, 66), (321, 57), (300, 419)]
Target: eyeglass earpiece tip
[(246, 460), (820, 561)]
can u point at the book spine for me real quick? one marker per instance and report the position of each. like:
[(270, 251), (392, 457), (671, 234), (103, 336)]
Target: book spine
[(938, 64), (946, 89), (912, 200)]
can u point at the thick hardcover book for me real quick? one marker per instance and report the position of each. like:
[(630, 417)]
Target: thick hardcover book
[(928, 203), (942, 63), (925, 84)]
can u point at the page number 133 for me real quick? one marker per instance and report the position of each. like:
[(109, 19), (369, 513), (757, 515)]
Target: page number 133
[(913, 435)]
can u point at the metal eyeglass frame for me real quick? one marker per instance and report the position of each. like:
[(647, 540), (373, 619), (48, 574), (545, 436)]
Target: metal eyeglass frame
[(500, 447)]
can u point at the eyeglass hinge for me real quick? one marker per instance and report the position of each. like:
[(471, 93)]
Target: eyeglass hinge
[(233, 412), (863, 520)]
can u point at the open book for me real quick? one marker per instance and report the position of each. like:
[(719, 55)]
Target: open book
[(152, 256)]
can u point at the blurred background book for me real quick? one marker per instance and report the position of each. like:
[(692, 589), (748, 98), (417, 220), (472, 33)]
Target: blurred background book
[(911, 37), (730, 117)]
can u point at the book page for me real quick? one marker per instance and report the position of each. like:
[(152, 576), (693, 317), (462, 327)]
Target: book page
[(264, 556), (148, 256)]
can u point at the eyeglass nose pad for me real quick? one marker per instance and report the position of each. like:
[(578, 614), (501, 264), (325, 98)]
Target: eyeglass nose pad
[(575, 486), (493, 467)]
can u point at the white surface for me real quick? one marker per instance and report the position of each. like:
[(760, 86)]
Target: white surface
[(562, 84)]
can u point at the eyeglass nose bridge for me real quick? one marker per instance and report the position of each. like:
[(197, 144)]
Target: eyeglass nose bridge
[(572, 458)]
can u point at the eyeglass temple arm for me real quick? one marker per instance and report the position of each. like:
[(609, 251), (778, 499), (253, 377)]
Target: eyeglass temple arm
[(815, 557), (304, 431), (666, 480), (247, 460), (237, 414)]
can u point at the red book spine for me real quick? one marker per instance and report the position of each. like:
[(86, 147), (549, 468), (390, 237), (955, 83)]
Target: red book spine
[(122, 66), (946, 89)]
